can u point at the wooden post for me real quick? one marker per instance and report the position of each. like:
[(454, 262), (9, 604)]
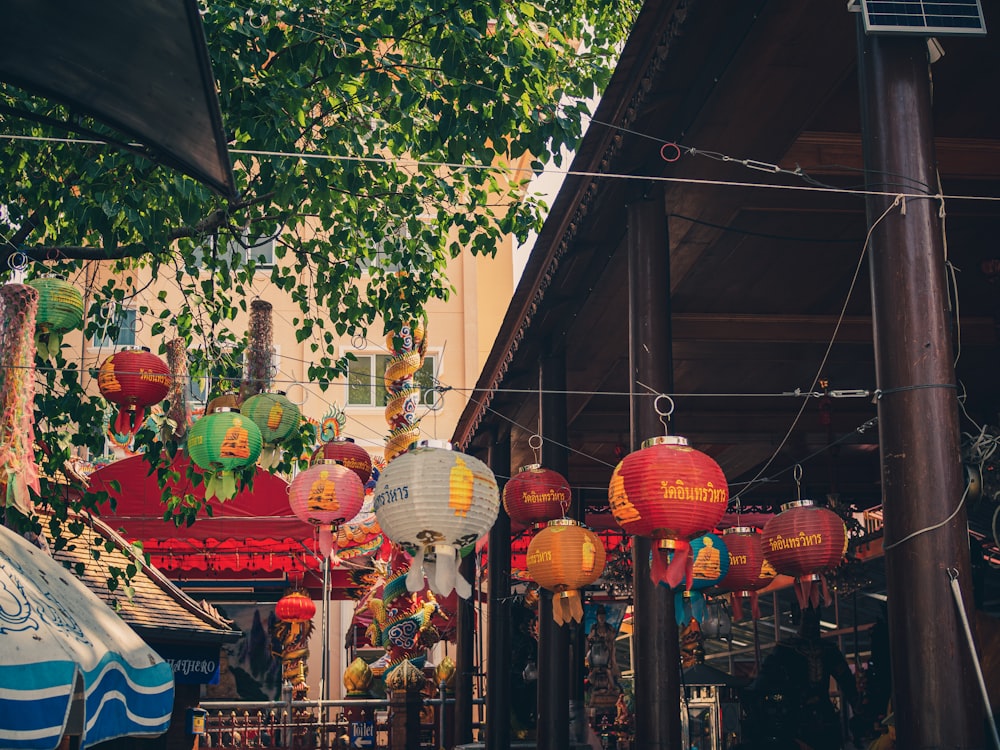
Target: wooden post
[(498, 703), (934, 687), (404, 718), (655, 636), (461, 726)]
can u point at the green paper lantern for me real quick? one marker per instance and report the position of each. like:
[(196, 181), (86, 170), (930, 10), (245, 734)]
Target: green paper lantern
[(276, 417), (219, 443), (60, 309)]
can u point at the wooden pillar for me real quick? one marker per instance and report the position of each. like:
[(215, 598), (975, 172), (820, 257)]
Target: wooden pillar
[(553, 640), (499, 612), (655, 638), (936, 700), (404, 718), (464, 658)]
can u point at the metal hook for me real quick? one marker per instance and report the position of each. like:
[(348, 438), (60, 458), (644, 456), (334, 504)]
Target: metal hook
[(664, 415), (17, 261), (797, 476), (535, 443), (952, 574)]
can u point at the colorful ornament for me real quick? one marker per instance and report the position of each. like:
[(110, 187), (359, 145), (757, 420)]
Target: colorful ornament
[(563, 557), (276, 417), (295, 607), (805, 541), (60, 309), (326, 494), (434, 501), (710, 565), (536, 495), (408, 346), (749, 571), (220, 443), (669, 492), (349, 453), (134, 379)]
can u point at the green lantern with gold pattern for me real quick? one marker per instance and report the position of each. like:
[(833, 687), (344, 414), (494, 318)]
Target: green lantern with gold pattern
[(60, 309), (220, 443), (276, 417)]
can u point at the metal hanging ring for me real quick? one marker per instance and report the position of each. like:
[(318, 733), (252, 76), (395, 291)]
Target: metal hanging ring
[(656, 405), (535, 442), (797, 473), (17, 260)]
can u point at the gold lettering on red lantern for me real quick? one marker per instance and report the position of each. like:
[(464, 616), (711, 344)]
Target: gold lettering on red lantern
[(795, 542), (707, 494)]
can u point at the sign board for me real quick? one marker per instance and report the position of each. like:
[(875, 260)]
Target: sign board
[(362, 734)]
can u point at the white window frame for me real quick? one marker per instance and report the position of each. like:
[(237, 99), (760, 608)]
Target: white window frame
[(429, 398), (104, 342), (200, 398)]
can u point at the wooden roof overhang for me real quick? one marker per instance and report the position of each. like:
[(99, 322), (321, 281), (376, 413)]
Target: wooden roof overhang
[(764, 263)]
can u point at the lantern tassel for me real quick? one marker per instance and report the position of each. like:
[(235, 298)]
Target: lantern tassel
[(567, 606), (269, 456), (808, 591), (445, 571), (326, 539), (736, 602), (220, 485), (754, 605), (415, 575), (672, 566)]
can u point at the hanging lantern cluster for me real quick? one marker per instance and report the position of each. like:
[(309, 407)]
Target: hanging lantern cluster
[(710, 563), (563, 557), (325, 495), (134, 379), (434, 502), (536, 495), (220, 443), (805, 541), (60, 309), (749, 571), (276, 417), (669, 492), (345, 451)]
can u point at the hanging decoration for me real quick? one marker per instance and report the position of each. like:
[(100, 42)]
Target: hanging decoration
[(669, 492), (18, 306), (710, 565), (536, 495), (325, 495), (276, 417), (349, 453), (178, 414), (295, 612), (563, 557), (260, 350), (332, 424), (220, 443), (134, 379), (749, 570), (227, 401), (408, 346), (434, 501), (805, 541), (60, 309)]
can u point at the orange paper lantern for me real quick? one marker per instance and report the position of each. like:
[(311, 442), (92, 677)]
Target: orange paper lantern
[(536, 495), (670, 492), (805, 541), (564, 557)]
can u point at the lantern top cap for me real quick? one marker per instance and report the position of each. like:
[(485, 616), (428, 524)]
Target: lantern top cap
[(429, 443), (529, 467), (135, 349), (664, 440), (275, 393), (341, 439), (321, 461), (740, 530), (799, 504), (224, 409)]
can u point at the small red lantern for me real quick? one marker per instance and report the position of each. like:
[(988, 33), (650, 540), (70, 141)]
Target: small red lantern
[(325, 495), (295, 607), (748, 572), (345, 451), (670, 492), (133, 379), (804, 541), (563, 557), (536, 495)]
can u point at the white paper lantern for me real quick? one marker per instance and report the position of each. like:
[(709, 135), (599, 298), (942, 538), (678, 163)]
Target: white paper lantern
[(434, 501)]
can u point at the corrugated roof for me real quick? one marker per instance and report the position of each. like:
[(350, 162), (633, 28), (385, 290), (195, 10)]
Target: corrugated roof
[(157, 609)]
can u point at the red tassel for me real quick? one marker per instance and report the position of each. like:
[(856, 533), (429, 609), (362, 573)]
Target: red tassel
[(138, 417), (123, 425), (802, 591), (827, 599), (736, 600), (754, 605), (670, 567)]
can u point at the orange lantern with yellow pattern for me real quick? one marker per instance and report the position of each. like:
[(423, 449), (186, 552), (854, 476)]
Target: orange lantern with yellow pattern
[(563, 557)]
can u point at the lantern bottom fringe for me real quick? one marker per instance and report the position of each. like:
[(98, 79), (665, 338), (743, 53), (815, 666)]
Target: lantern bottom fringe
[(270, 456), (672, 565), (736, 600), (47, 343), (808, 590), (326, 540), (130, 420), (690, 607), (220, 485), (567, 606), (441, 571)]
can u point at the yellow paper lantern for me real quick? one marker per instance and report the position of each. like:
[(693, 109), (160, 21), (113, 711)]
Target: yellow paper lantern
[(564, 557)]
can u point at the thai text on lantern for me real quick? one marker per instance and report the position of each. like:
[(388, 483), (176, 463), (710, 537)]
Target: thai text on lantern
[(344, 450), (669, 492), (536, 495), (434, 502), (804, 541), (749, 570), (133, 379), (325, 495), (563, 557)]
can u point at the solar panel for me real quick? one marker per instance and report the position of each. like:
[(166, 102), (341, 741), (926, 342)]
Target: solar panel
[(924, 18)]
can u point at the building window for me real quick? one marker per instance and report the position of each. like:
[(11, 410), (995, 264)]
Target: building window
[(261, 251), (119, 330), (223, 374), (366, 385)]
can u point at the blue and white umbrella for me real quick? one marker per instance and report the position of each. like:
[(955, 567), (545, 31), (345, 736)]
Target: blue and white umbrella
[(64, 654)]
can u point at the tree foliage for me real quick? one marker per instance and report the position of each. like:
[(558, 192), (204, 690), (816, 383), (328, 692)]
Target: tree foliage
[(369, 139)]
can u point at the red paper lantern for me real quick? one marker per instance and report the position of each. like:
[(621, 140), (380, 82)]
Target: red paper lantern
[(295, 607), (563, 557), (536, 495), (804, 541), (670, 492), (748, 571), (345, 451), (133, 379), (325, 495)]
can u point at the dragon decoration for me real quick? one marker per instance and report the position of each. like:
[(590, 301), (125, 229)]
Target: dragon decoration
[(408, 346)]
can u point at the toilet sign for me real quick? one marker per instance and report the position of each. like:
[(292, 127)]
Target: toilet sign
[(362, 734)]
